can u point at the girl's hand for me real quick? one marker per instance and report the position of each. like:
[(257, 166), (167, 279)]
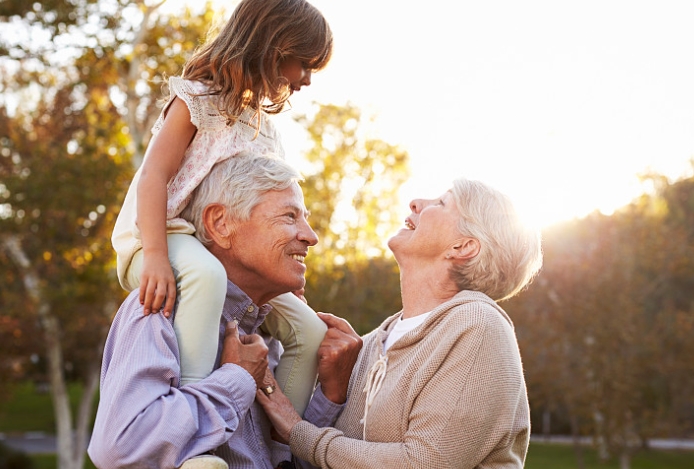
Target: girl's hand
[(157, 284), (300, 294)]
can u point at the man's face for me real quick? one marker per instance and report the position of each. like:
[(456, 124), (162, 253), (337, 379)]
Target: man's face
[(267, 251)]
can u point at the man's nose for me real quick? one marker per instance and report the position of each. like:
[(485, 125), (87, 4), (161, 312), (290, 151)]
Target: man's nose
[(307, 235)]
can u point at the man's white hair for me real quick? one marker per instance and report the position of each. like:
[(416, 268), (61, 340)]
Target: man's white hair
[(238, 183)]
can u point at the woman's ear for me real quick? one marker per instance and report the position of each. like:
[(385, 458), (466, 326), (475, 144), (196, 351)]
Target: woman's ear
[(465, 249), (217, 223)]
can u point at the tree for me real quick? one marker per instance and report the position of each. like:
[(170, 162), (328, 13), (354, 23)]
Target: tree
[(57, 208), (75, 113), (351, 186), (351, 190), (613, 290)]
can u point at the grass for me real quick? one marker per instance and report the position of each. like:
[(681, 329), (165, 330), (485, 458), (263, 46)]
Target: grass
[(50, 461), (540, 456), (29, 409), (556, 456)]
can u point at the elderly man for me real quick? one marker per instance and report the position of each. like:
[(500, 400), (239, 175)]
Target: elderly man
[(145, 418)]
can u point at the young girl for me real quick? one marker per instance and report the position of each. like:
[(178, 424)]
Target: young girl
[(218, 108)]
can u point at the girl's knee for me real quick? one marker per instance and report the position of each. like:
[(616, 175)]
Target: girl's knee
[(206, 276)]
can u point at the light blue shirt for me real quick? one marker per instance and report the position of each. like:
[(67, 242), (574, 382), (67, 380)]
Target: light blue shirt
[(145, 419)]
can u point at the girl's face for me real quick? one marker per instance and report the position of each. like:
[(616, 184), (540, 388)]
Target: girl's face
[(294, 70)]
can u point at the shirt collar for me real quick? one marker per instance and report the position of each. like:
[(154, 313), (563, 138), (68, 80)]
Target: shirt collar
[(239, 306)]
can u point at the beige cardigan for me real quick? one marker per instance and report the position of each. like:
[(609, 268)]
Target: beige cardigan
[(454, 396)]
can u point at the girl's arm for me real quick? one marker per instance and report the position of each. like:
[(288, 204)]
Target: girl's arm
[(162, 160)]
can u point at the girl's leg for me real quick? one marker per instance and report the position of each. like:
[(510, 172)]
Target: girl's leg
[(300, 331), (201, 289)]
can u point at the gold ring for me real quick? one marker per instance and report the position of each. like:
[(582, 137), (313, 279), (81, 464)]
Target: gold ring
[(269, 389)]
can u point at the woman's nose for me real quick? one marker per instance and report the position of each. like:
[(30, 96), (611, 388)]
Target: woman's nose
[(416, 205)]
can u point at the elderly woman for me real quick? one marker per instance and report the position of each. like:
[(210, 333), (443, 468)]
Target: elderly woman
[(439, 384)]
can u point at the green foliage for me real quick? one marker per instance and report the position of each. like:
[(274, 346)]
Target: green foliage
[(351, 191), (61, 203), (364, 292), (351, 188), (76, 110), (85, 102)]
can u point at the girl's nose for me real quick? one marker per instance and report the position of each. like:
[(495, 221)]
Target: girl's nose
[(306, 80)]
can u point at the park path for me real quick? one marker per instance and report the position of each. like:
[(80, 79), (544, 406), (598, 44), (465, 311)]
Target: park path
[(657, 443)]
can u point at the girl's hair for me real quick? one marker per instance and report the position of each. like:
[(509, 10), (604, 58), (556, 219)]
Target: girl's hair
[(241, 64), (238, 183), (510, 253)]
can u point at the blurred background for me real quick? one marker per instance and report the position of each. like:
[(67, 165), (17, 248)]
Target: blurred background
[(582, 112)]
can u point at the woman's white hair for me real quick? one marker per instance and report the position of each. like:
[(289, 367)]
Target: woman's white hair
[(238, 183), (510, 253)]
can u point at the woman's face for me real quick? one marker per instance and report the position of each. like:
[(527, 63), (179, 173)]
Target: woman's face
[(430, 230)]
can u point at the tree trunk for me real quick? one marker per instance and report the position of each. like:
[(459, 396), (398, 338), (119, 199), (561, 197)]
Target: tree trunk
[(59, 394), (576, 440), (84, 415), (546, 423), (140, 131), (91, 385), (600, 439), (54, 354)]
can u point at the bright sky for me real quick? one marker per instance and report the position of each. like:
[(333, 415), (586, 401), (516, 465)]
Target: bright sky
[(559, 104)]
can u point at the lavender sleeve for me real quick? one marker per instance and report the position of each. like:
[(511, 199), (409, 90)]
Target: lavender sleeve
[(144, 419), (321, 411)]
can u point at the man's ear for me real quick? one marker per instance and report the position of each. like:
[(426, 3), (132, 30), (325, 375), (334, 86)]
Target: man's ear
[(464, 249), (217, 223)]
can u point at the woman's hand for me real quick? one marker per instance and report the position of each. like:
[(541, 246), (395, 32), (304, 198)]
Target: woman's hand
[(278, 409)]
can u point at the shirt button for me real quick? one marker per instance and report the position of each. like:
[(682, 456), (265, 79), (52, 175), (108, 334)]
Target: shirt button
[(250, 309)]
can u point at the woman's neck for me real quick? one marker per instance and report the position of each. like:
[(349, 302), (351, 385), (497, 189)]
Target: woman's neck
[(423, 289)]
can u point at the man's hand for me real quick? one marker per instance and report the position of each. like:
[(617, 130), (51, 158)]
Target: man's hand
[(247, 351), (337, 355)]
